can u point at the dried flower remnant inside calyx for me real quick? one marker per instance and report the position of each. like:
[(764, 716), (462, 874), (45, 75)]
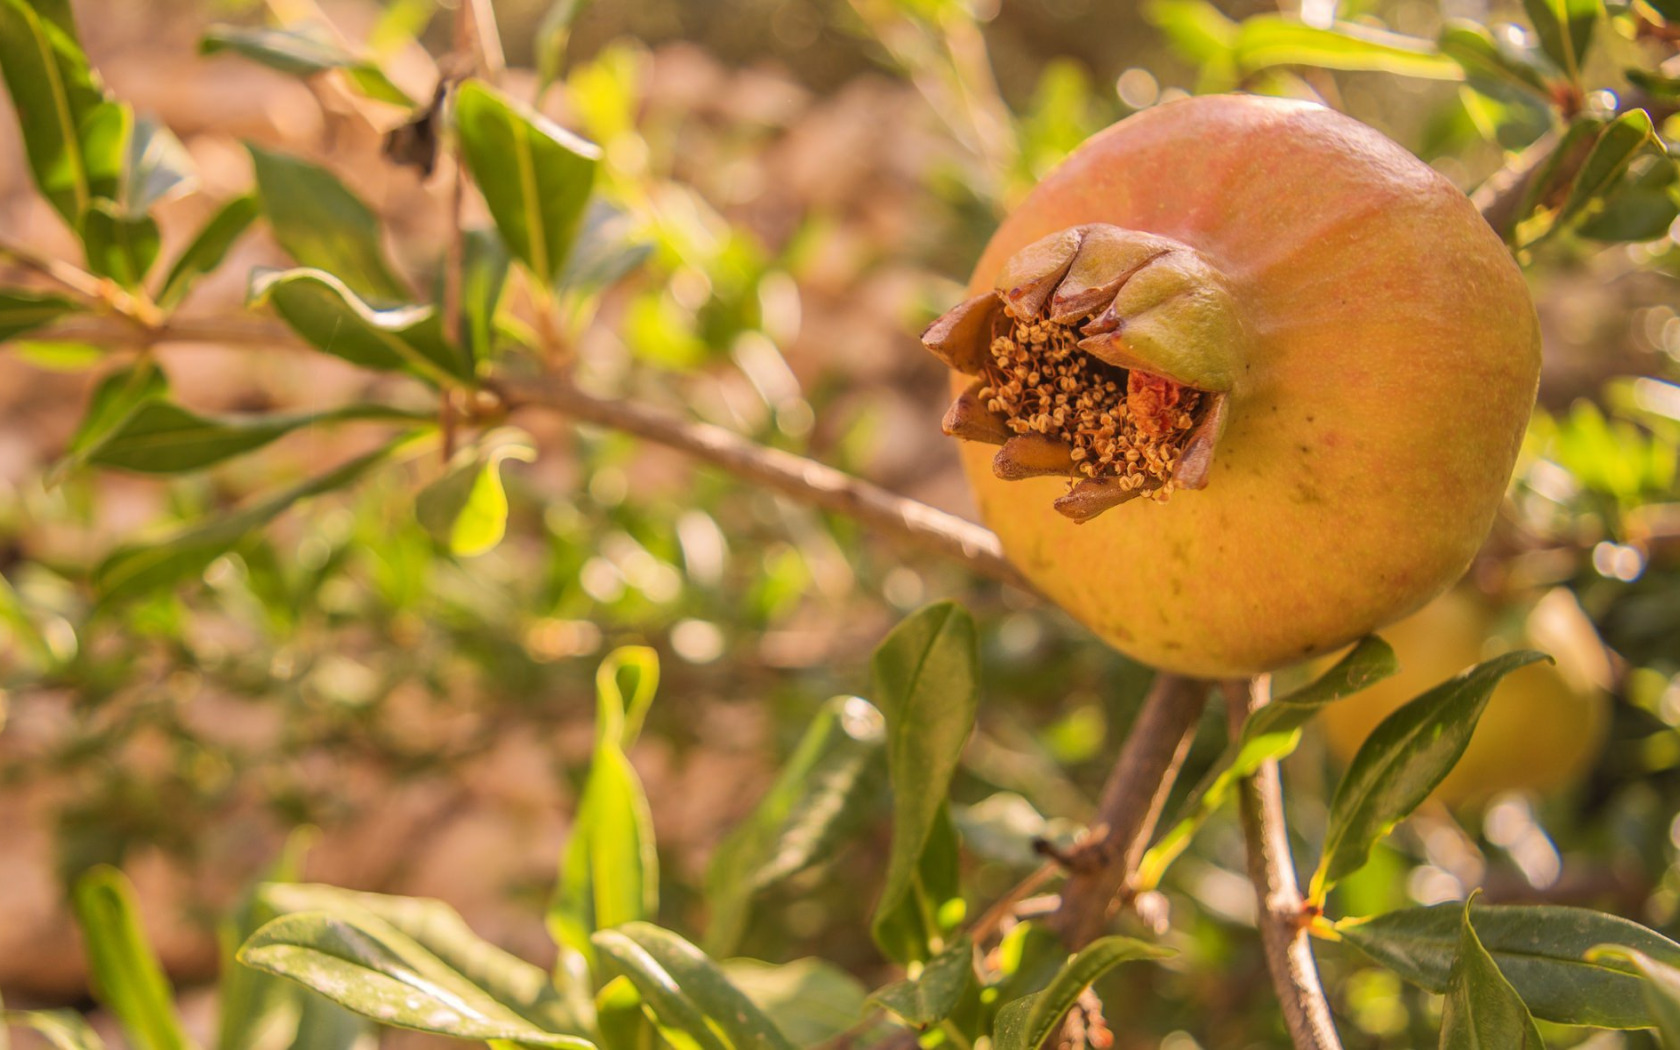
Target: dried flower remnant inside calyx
[(1061, 387)]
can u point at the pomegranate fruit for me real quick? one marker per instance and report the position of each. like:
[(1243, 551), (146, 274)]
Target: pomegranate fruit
[(1544, 723), (1301, 345)]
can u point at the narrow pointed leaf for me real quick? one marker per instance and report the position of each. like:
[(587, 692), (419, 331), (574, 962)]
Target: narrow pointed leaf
[(1026, 1027), (466, 509), (141, 567), (333, 319), (1482, 1011), (1615, 149), (160, 437), (55, 95), (366, 965), (323, 225), (117, 396), (687, 990), (926, 676), (1264, 41), (1486, 58), (1541, 949), (1268, 735), (535, 176), (126, 974), (934, 993), (813, 805), (1405, 757), (208, 248), (22, 310)]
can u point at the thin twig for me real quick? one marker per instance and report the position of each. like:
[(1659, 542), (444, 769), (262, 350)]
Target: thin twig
[(1131, 803), (1271, 868), (803, 479), (71, 278)]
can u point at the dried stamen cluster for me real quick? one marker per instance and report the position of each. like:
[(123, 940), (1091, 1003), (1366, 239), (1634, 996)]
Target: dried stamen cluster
[(1116, 424)]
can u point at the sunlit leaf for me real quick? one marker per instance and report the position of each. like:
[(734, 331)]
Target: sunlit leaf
[(466, 508), (1541, 950), (535, 176), (926, 677), (333, 319), (1615, 149), (56, 96), (323, 225), (1404, 759), (208, 248), (366, 965), (1026, 1023), (1264, 41), (62, 1029), (686, 990), (118, 246), (158, 167), (1485, 57), (126, 973), (1565, 30)]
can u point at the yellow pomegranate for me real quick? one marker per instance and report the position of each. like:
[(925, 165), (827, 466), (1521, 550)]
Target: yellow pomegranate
[(1300, 343), (1544, 723)]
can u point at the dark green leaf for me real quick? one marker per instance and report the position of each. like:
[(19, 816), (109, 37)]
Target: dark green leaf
[(1487, 58), (1271, 733), (1610, 157), (141, 567), (117, 396), (466, 509), (1402, 761), (126, 974), (1482, 1010), (333, 319), (1565, 30), (1654, 83), (686, 990), (484, 267), (157, 168), (371, 967), (926, 676), (930, 997), (21, 310), (1661, 988), (535, 176), (56, 97), (302, 53), (1549, 187), (208, 248), (62, 1029), (118, 246), (1264, 41), (439, 929), (323, 225), (1540, 949), (810, 1001), (159, 437), (810, 809), (1641, 208), (1026, 1027), (605, 250)]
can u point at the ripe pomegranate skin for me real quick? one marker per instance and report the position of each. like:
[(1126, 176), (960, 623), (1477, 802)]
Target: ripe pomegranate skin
[(1390, 366)]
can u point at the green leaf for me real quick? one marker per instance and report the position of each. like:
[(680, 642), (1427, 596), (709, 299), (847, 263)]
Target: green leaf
[(1536, 216), (1271, 733), (1197, 30), (1661, 987), (809, 1000), (119, 395), (1482, 1011), (933, 994), (605, 249), (1402, 761), (1565, 30), (22, 310), (553, 33), (535, 177), (208, 248), (371, 967), (926, 675), (466, 508), (1486, 57), (609, 871), (1540, 949), (1028, 1022), (484, 268), (62, 1029), (332, 318), (1264, 41), (323, 225), (814, 804), (1611, 154), (438, 928), (160, 437), (1641, 207), (157, 167), (126, 974), (300, 52), (686, 990), (56, 97), (138, 568), (118, 246), (1654, 83)]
